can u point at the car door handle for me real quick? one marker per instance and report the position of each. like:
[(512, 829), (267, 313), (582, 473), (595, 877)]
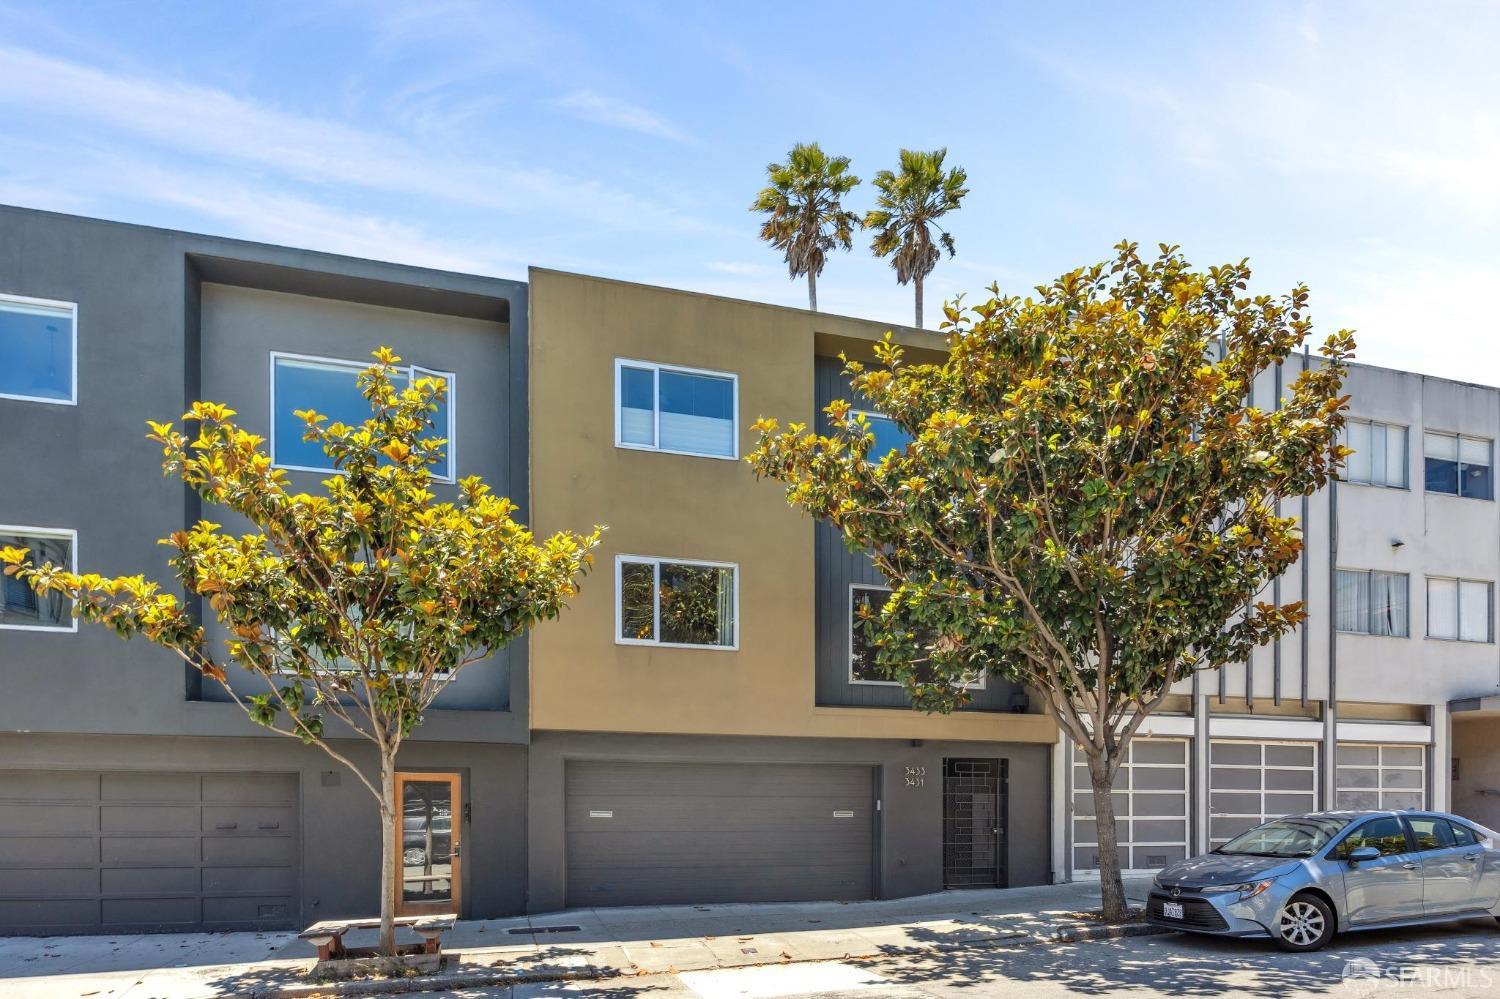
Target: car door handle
[(1410, 866), (1472, 857)]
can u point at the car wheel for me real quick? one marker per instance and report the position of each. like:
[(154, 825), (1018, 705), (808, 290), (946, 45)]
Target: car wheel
[(1306, 923)]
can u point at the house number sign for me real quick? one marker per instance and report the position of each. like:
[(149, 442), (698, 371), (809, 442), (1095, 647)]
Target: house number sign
[(916, 776)]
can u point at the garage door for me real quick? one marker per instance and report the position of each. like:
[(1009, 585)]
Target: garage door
[(1252, 782), (1151, 807), (89, 852), (663, 833), (1372, 776)]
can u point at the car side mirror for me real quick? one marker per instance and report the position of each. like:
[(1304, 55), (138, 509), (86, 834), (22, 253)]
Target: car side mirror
[(1360, 854)]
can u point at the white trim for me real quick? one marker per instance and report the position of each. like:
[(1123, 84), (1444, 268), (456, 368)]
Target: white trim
[(656, 369), (1401, 733), (1265, 729), (357, 366), (47, 532), (1170, 726), (656, 563), (983, 677), (72, 310)]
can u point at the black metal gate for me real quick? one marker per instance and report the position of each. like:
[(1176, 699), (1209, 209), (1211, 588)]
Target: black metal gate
[(974, 818)]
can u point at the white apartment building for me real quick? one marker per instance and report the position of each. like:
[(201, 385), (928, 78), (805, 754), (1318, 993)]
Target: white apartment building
[(1388, 696)]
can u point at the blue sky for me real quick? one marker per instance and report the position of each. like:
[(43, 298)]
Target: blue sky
[(1353, 146)]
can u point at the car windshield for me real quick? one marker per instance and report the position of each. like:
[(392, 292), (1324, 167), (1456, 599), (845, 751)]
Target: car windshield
[(1297, 836)]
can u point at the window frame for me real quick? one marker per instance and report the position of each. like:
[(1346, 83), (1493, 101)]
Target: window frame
[(1405, 455), (1458, 609), (1458, 438), (49, 303), (655, 561), (854, 681), (71, 534), (1368, 632), (656, 369), (413, 371)]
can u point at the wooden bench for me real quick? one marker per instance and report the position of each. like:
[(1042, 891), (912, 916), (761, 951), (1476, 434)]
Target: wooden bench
[(328, 936)]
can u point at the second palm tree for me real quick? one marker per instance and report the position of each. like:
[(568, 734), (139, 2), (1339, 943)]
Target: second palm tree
[(911, 202)]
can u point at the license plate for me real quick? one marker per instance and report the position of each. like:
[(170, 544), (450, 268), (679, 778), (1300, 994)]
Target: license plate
[(1171, 910)]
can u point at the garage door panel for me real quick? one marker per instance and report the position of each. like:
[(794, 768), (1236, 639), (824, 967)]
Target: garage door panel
[(123, 818), (663, 833), (47, 851), (1258, 781), (147, 851), (22, 819), (247, 818), (30, 785), (228, 851), (139, 788), (260, 788), (1151, 807), (59, 912), (260, 880)]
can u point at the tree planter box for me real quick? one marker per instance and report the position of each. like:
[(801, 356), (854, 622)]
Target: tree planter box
[(337, 961)]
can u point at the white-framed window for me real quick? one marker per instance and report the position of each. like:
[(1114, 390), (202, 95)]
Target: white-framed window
[(1373, 603), (1458, 465), (1151, 807), (675, 602), (1254, 782), (1379, 457), (888, 434), (38, 350), (863, 669), (330, 386), (1460, 610), (1376, 776), (21, 609), (660, 407)]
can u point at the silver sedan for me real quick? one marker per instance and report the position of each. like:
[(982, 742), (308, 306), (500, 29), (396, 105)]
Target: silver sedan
[(1303, 878)]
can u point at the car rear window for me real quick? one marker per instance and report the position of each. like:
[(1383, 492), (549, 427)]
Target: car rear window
[(1462, 834), (1430, 833)]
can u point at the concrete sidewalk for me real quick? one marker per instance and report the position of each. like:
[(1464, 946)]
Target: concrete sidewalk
[(581, 943)]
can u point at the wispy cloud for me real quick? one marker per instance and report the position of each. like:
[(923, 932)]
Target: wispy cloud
[(741, 268), (600, 109), (211, 123)]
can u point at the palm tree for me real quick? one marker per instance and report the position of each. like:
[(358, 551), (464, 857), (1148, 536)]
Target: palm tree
[(806, 217), (910, 204)]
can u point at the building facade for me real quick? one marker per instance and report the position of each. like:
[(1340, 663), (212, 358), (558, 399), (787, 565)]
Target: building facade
[(702, 724)]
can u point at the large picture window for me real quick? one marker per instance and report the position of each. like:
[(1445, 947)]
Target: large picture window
[(676, 602), (1458, 465), (888, 435), (1379, 457), (678, 410), (1460, 609), (863, 668), (21, 609), (331, 387), (38, 350), (1372, 603)]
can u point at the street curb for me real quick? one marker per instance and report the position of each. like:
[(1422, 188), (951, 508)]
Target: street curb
[(1067, 934)]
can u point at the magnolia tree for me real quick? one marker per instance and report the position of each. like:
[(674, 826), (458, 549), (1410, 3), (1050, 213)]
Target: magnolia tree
[(1089, 506), (351, 611)]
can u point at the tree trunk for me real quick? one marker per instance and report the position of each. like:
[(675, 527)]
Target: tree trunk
[(812, 291), (1111, 887), (919, 301), (390, 846)]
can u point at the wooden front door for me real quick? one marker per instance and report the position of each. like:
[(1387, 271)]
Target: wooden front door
[(429, 829)]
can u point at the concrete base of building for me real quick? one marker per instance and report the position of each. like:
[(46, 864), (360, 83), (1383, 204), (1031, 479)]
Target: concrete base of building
[(622, 819), (108, 834)]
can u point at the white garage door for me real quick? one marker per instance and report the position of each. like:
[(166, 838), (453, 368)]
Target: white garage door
[(1151, 807), (1373, 776), (1250, 782)]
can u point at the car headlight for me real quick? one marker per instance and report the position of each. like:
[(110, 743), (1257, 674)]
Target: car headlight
[(1244, 892)]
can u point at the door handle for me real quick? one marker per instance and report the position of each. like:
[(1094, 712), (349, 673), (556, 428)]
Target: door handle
[(1472, 857), (1409, 866)]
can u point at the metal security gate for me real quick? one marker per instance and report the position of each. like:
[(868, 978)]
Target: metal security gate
[(673, 833), (105, 851), (974, 813)]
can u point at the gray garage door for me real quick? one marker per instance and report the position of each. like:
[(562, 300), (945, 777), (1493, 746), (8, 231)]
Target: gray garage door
[(88, 852), (663, 833)]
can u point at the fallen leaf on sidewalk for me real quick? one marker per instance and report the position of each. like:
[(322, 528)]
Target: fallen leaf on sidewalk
[(655, 944), (672, 970)]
